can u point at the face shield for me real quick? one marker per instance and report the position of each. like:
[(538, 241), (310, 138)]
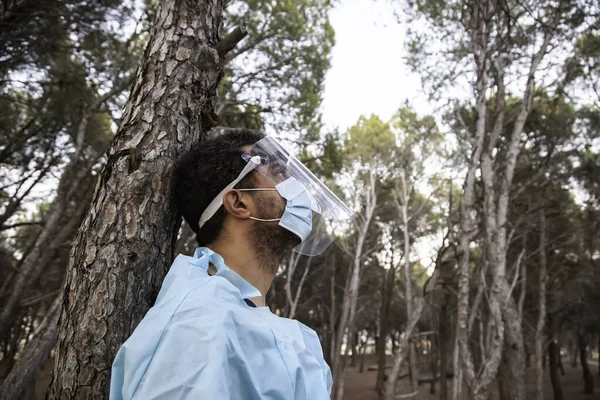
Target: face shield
[(275, 162)]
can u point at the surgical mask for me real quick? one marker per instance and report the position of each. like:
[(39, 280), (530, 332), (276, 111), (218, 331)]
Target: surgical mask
[(297, 217)]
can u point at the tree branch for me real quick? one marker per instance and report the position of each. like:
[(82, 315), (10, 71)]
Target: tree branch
[(231, 40)]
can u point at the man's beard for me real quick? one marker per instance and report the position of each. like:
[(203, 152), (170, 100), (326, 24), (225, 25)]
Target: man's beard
[(272, 242)]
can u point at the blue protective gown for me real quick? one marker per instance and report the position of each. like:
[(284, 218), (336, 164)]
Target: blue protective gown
[(202, 341)]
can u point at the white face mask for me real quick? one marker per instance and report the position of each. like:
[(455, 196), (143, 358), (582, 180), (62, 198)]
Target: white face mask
[(297, 217)]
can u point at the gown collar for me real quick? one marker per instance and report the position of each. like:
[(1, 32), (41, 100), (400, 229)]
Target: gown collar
[(203, 256)]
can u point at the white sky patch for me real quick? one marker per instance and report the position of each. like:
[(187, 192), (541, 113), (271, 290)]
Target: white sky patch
[(367, 73)]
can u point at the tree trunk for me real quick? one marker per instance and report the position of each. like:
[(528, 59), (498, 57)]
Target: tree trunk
[(51, 236), (354, 345), (588, 379), (352, 284), (513, 366), (22, 377), (413, 370), (561, 367), (53, 233), (412, 365), (388, 286), (433, 345), (443, 336), (405, 345), (539, 332), (574, 354), (554, 357), (126, 243), (363, 349), (332, 319)]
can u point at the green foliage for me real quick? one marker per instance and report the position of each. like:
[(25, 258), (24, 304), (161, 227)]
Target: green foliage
[(277, 73), (371, 143)]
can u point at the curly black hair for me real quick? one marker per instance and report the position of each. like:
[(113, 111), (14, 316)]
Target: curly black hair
[(202, 172)]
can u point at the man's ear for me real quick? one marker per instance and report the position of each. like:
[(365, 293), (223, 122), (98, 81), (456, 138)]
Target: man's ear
[(237, 203)]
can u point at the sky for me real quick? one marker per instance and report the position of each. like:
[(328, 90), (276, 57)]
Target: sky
[(367, 73)]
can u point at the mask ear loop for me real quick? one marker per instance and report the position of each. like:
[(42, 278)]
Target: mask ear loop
[(255, 190), (266, 220), (217, 202)]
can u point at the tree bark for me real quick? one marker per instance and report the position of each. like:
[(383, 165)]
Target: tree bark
[(332, 319), (561, 366), (387, 291), (553, 356), (404, 198), (513, 366), (126, 243), (353, 346), (588, 379), (463, 361), (363, 349), (433, 361), (442, 339), (539, 332), (21, 378)]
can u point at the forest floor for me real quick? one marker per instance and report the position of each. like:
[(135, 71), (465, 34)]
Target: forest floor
[(361, 385)]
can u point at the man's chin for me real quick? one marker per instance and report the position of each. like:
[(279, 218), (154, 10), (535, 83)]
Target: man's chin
[(273, 245)]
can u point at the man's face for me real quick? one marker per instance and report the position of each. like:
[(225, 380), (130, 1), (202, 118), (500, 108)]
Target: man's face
[(272, 242)]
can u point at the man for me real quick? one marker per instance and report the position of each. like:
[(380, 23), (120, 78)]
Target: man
[(210, 335)]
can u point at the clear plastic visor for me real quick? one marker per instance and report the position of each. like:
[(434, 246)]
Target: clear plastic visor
[(329, 212)]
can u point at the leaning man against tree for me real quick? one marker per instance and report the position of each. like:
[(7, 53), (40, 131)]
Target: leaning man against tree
[(210, 334)]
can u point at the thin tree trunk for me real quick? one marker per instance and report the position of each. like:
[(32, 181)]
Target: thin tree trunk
[(32, 268), (363, 349), (296, 298), (588, 379), (388, 285), (554, 356), (433, 352), (68, 187), (31, 260), (390, 390), (514, 347), (126, 243), (413, 370), (574, 353), (457, 375), (332, 317), (513, 369), (351, 295), (443, 336), (561, 367), (463, 362), (292, 263), (539, 332), (22, 377), (404, 193), (353, 344)]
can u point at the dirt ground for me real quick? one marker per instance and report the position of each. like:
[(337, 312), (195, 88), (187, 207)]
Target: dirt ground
[(361, 386)]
